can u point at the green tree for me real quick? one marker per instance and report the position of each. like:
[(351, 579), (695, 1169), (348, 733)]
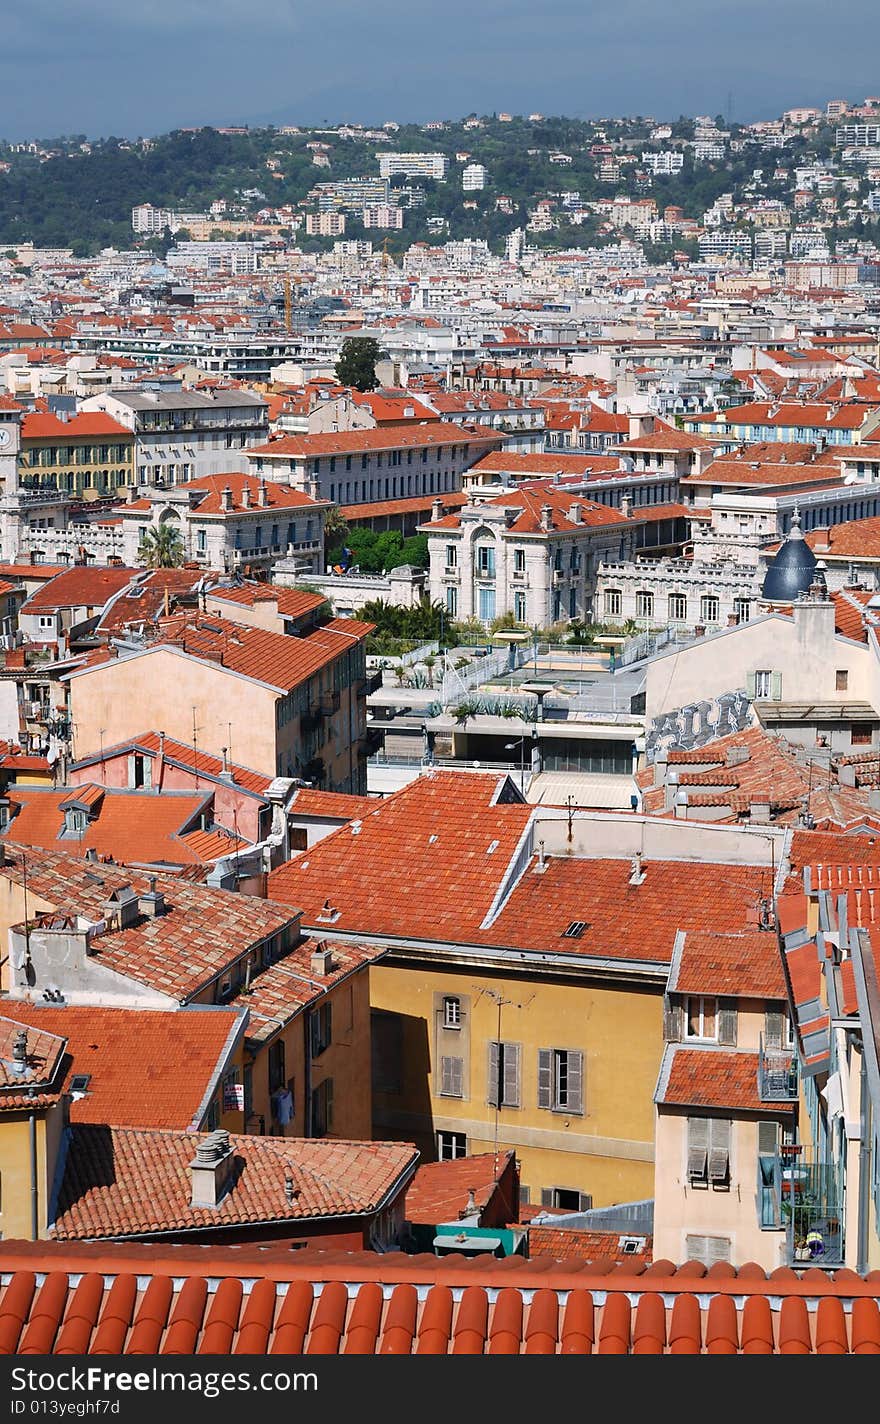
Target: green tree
[(357, 362), (161, 547), (335, 529)]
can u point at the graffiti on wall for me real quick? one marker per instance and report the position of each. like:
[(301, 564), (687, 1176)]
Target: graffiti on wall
[(698, 723)]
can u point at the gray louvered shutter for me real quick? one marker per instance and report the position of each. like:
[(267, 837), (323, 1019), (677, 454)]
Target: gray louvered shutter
[(719, 1150), (492, 1096), (575, 1096), (727, 1024), (776, 686), (718, 1249), (751, 683), (510, 1090), (545, 1078), (773, 1022), (546, 1196), (673, 1021), (767, 1138), (697, 1146), (450, 1077)]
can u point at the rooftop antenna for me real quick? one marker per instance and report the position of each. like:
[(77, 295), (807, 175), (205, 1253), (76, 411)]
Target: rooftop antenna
[(195, 749)]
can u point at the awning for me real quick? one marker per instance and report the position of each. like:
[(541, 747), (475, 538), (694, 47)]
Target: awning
[(466, 1242)]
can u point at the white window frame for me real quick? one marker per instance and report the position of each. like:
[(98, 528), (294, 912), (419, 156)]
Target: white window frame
[(702, 1002), (451, 1015), (447, 1151), (613, 602), (644, 603), (677, 600), (763, 684)]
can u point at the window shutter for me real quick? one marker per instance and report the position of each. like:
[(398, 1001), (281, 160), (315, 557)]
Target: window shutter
[(718, 1249), (545, 1078), (767, 1138), (695, 1248), (328, 1025), (727, 1025), (328, 1104), (773, 1029), (492, 1095), (546, 1196), (697, 1146), (575, 1101), (776, 686), (673, 1021), (719, 1150), (511, 1086), (751, 683), (450, 1077)]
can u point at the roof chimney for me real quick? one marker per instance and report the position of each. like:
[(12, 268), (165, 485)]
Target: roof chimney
[(19, 1052), (637, 874), (152, 903), (226, 498), (262, 495), (211, 1169), (436, 510), (626, 506), (576, 513), (322, 960), (546, 517), (245, 496)]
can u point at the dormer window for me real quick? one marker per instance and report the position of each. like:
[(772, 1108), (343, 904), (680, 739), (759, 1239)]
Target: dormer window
[(75, 821), (451, 1012), (701, 1017)]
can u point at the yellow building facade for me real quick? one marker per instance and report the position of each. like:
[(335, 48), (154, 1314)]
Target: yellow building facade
[(570, 1090)]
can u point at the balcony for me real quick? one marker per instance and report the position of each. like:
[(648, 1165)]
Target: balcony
[(811, 1208), (777, 1075)]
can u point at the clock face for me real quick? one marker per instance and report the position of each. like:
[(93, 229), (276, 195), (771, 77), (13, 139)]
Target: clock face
[(5, 437)]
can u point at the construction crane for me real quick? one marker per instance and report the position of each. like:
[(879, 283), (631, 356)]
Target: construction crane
[(288, 315), (385, 260)]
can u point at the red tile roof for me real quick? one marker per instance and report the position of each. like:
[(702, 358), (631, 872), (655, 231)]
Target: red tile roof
[(566, 1244), (741, 964), (177, 953), (440, 1191), (119, 1298), (332, 805), (712, 1078), (85, 426), (183, 755), (410, 435), (44, 1058), (79, 587), (125, 1182), (147, 1068), (292, 602), (137, 827), (522, 465)]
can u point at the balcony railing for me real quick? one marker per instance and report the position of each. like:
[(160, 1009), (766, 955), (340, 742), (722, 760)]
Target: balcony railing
[(777, 1075), (812, 1209)]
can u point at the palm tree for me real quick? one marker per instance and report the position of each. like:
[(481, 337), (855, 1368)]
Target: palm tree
[(161, 547)]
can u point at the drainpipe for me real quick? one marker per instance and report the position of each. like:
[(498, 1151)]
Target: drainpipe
[(864, 1169), (35, 1215), (307, 1076)]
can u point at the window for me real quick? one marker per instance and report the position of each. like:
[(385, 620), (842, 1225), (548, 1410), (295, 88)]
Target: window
[(519, 561), (504, 1075), (861, 734), (707, 1249), (576, 929), (560, 1080), (708, 1152), (451, 556), (486, 604), (452, 1077), (677, 607), (451, 1146), (386, 1042), (276, 1065), (763, 683), (451, 1012), (519, 607), (320, 1030), (841, 680), (710, 608), (644, 604), (701, 1018), (201, 541), (566, 1198), (486, 561), (613, 602), (322, 1108), (742, 607), (452, 600)]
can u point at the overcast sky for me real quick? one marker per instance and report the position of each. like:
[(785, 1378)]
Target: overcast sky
[(109, 67)]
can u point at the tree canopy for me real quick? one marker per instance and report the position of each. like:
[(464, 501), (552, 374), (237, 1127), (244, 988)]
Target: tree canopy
[(357, 362)]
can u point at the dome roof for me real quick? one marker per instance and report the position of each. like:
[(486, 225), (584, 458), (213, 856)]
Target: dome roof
[(792, 569)]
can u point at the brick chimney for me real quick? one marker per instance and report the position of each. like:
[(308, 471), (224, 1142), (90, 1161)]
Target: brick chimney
[(211, 1169)]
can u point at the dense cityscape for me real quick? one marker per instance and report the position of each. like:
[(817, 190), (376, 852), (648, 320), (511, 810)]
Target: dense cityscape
[(440, 737)]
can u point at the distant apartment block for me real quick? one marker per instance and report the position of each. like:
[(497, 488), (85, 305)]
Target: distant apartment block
[(667, 161), (414, 165), (383, 215), (474, 178), (330, 224), (857, 135)]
